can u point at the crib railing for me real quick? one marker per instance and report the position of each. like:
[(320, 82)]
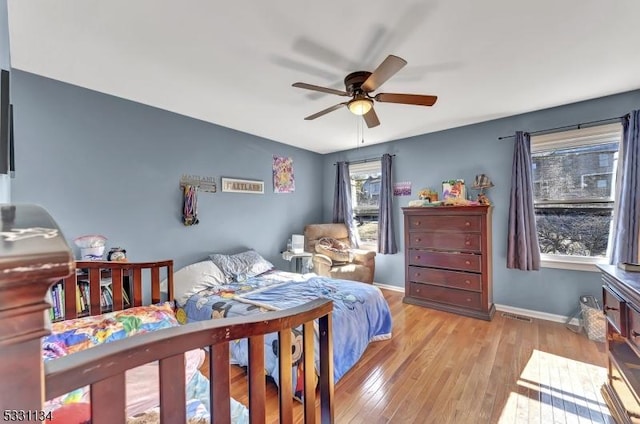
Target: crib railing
[(103, 367), (34, 255), (123, 278)]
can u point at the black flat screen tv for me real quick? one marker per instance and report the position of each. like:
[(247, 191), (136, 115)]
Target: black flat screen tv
[(4, 122)]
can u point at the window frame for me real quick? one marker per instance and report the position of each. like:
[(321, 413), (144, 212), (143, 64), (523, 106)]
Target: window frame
[(369, 166), (599, 134)]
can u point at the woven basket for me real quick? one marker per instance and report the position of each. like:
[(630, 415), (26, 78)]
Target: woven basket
[(593, 319)]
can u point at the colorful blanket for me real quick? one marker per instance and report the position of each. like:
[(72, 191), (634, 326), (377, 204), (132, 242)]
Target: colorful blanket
[(360, 315), (83, 333)]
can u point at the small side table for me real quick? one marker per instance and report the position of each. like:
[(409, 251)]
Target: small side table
[(299, 261)]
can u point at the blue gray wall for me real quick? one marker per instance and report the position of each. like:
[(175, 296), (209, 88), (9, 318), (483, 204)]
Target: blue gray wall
[(105, 165), (463, 152), (101, 164)]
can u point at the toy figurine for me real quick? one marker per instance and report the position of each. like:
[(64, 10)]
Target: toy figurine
[(483, 199), (117, 254)]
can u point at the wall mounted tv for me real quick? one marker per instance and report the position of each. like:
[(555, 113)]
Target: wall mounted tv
[(4, 122)]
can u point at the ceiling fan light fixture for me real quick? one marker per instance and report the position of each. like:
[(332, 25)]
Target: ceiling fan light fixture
[(360, 106)]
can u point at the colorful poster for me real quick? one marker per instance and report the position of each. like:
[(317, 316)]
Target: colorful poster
[(283, 180), (402, 189)]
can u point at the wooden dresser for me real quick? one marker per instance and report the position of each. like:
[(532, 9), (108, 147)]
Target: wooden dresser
[(621, 295), (448, 259)]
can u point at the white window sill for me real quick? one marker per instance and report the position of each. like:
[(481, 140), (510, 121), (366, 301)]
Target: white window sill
[(572, 263)]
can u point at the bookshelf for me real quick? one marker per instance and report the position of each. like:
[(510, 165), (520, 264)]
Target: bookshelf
[(83, 295), (101, 286)]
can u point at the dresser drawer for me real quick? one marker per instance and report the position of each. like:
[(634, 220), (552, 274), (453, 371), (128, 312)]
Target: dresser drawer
[(633, 325), (613, 306), (462, 298), (446, 241), (445, 223), (456, 261), (441, 277), (626, 396)]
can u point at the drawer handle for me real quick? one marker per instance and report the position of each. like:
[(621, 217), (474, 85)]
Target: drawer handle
[(467, 262), (418, 240), (417, 223), (467, 223), (417, 290), (610, 308), (467, 282), (418, 257), (467, 243)]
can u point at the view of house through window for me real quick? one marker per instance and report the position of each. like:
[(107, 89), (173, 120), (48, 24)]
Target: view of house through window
[(574, 184), (365, 200)]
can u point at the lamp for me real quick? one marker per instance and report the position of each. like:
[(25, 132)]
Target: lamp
[(360, 105), (481, 182)]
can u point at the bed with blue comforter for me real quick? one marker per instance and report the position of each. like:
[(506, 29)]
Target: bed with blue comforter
[(360, 316)]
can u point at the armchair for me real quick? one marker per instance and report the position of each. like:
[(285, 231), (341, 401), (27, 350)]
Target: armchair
[(333, 255)]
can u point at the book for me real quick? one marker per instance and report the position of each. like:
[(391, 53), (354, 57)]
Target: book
[(628, 266)]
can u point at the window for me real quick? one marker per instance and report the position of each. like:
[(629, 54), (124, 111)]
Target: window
[(604, 160), (365, 199), (574, 174)]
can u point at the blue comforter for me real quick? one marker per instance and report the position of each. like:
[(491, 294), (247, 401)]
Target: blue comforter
[(360, 315)]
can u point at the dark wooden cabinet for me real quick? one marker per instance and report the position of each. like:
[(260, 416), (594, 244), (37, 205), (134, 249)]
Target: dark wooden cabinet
[(621, 299), (448, 259), (33, 255)]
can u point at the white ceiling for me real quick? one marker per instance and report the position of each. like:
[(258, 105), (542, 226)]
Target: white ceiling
[(232, 63)]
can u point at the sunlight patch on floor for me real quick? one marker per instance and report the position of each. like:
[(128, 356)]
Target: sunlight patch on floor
[(374, 385), (553, 388)]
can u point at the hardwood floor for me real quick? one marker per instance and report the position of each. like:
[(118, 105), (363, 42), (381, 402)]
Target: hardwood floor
[(444, 368)]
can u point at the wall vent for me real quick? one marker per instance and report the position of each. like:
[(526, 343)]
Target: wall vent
[(518, 317)]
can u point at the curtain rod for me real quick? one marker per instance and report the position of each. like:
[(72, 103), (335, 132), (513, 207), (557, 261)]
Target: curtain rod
[(362, 160), (576, 126)]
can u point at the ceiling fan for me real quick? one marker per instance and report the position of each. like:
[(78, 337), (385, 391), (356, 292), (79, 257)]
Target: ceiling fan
[(360, 84)]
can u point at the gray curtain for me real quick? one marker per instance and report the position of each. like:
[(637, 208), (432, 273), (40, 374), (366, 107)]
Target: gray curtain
[(342, 210), (625, 242), (523, 250), (386, 234)]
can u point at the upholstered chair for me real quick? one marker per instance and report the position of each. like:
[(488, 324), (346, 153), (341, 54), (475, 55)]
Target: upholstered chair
[(334, 256)]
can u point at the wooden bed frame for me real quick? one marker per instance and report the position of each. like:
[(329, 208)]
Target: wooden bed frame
[(34, 255)]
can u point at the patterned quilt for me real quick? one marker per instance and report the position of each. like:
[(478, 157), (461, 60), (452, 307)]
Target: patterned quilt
[(83, 333), (360, 315)]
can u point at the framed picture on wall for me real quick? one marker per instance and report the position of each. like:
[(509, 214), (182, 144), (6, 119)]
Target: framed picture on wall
[(234, 185)]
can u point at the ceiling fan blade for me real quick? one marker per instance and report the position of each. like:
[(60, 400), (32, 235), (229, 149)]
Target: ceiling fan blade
[(383, 72), (371, 118), (409, 99), (321, 89), (324, 112)]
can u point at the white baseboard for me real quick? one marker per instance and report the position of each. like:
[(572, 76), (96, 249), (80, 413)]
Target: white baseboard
[(389, 287), (537, 314), (505, 308)]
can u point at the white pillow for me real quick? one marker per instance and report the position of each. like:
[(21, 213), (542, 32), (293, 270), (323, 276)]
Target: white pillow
[(194, 278)]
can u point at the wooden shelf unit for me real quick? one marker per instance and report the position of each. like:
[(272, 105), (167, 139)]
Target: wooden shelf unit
[(126, 279)]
